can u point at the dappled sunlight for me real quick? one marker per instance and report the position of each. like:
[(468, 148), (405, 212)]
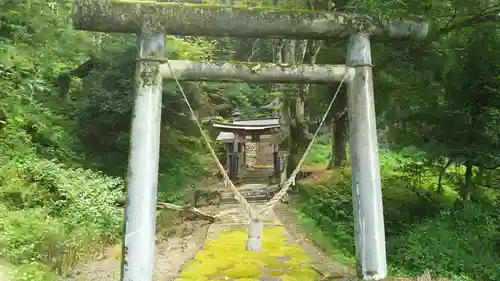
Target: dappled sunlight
[(320, 174)]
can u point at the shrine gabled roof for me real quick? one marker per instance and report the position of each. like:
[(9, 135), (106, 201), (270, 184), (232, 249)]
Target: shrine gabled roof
[(244, 125), (259, 122), (249, 124)]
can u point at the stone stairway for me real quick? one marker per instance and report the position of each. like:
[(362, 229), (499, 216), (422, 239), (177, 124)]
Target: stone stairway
[(256, 175), (254, 185), (251, 192), (254, 182)]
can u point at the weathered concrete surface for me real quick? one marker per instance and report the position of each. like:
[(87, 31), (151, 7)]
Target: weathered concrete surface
[(211, 20), (183, 70)]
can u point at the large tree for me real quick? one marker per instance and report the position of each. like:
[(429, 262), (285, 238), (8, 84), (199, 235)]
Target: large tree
[(450, 105)]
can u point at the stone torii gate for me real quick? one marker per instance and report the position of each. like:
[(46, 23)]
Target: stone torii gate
[(151, 21)]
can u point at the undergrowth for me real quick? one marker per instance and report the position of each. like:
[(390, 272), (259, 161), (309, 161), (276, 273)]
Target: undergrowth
[(57, 202), (424, 230)]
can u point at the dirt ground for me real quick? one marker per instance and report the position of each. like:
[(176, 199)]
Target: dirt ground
[(171, 254)]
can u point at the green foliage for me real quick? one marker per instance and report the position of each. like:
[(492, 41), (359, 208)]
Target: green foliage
[(443, 95), (424, 231), (458, 241), (319, 152), (55, 211), (245, 100), (62, 162), (52, 211), (52, 214), (32, 271)]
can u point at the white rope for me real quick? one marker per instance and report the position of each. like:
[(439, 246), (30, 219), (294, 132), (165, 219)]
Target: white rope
[(278, 196), (227, 181)]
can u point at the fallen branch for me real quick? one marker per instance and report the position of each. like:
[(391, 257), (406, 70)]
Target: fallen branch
[(189, 212), (186, 211)]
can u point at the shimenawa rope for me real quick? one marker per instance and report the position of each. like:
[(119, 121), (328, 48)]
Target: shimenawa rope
[(278, 196)]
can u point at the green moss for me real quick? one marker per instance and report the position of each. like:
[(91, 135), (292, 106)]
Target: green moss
[(227, 257), (208, 6), (150, 74), (252, 64)]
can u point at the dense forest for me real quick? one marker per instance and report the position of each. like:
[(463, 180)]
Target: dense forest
[(65, 110)]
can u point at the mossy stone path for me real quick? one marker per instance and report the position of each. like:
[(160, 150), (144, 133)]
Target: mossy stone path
[(223, 256), (217, 252)]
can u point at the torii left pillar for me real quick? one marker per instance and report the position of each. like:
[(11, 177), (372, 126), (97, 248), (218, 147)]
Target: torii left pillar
[(140, 210)]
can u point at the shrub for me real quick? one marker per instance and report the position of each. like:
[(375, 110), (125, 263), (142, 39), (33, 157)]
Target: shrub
[(459, 241), (424, 231), (32, 271), (55, 215)]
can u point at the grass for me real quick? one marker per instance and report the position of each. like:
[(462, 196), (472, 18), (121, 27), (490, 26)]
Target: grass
[(320, 152), (424, 231), (324, 240)]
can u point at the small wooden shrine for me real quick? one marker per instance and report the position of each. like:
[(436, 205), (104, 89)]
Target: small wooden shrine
[(235, 135)]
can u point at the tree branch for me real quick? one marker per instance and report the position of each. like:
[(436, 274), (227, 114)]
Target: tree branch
[(492, 168), (186, 210), (483, 17)]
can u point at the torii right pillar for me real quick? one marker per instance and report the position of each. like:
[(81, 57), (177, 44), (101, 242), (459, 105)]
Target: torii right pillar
[(366, 183)]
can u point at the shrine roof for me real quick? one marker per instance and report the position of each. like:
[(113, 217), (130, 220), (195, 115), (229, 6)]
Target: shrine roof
[(250, 125), (258, 122)]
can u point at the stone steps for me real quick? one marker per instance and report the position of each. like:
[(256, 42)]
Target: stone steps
[(256, 175), (232, 201), (255, 172), (252, 193)]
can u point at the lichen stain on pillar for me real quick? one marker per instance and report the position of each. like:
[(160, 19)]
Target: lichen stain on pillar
[(149, 74)]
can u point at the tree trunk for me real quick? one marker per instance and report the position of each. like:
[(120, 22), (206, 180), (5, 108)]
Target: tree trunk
[(480, 175), (339, 128), (467, 188), (255, 231), (440, 177), (299, 134), (288, 106), (339, 120), (339, 142), (82, 71)]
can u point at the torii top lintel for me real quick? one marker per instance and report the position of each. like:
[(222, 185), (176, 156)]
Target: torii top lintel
[(129, 16)]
